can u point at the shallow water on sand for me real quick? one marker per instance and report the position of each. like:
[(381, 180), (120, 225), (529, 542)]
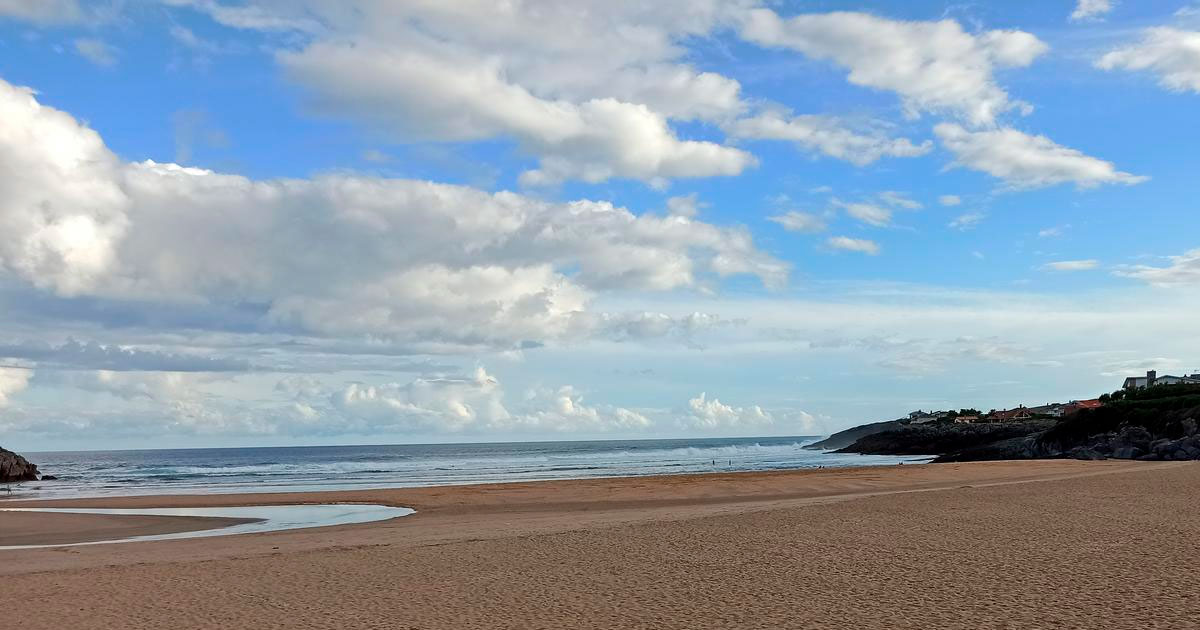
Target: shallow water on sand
[(269, 518)]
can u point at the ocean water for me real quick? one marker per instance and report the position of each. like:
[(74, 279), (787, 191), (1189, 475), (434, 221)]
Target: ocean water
[(284, 469)]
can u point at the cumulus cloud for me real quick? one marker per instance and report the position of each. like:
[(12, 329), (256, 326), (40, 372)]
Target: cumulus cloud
[(827, 135), (1071, 265), (685, 205), (1091, 9), (794, 221), (710, 414), (586, 90), (418, 97), (706, 413), (1171, 53), (13, 380), (861, 245), (1184, 271), (1027, 161), (933, 66), (336, 255), (62, 206), (474, 403)]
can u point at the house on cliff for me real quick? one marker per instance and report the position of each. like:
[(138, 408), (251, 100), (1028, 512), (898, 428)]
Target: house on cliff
[(1152, 379)]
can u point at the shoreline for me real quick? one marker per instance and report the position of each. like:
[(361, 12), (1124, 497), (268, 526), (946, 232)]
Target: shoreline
[(1048, 543), (659, 496)]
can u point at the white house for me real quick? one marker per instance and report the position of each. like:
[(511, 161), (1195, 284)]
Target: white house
[(1152, 379)]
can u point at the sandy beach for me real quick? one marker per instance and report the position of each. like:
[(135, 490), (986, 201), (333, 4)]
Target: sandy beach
[(987, 545)]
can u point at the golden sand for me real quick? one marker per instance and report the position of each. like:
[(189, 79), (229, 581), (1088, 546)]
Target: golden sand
[(1053, 544)]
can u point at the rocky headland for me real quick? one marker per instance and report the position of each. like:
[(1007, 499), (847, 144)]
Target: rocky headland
[(1157, 424), (14, 468)]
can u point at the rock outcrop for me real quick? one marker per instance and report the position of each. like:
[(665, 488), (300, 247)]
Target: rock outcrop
[(951, 441), (14, 468), (842, 439)]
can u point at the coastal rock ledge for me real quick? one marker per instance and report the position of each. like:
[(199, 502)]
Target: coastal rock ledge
[(14, 468)]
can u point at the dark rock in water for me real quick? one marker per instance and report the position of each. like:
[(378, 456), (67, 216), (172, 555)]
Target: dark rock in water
[(49, 478), (14, 468)]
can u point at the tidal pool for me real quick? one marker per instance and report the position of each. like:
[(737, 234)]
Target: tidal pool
[(269, 518)]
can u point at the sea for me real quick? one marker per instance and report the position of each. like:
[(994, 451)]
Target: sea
[(311, 468)]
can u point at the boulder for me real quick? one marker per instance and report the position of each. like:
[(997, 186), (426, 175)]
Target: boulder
[(14, 468), (1137, 437), (1126, 452), (1086, 453)]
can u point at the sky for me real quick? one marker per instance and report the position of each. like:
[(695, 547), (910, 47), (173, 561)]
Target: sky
[(278, 222)]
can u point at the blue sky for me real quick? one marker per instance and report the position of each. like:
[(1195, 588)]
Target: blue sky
[(271, 222)]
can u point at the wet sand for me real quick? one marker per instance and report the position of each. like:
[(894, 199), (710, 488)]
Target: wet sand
[(990, 545), (33, 528)]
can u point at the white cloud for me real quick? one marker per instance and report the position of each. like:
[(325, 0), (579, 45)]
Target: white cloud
[(934, 66), (1071, 265), (96, 51), (685, 205), (950, 200), (1028, 161), (706, 413), (337, 255), (1184, 271), (62, 207), (966, 221), (42, 11), (1172, 54), (155, 386), (474, 403), (827, 135), (794, 221), (423, 97), (12, 381), (853, 245), (1090, 9), (900, 200), (869, 213), (588, 90), (1052, 232)]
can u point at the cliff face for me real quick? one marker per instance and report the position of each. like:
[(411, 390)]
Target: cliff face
[(14, 468)]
